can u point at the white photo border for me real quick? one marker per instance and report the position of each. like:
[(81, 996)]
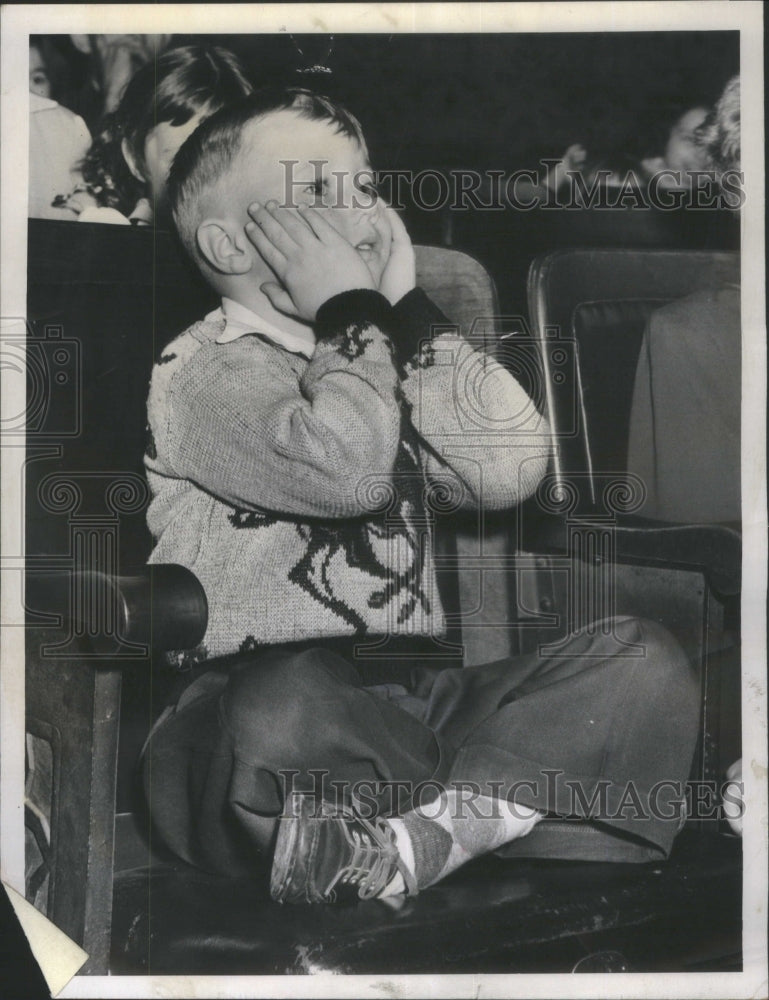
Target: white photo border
[(19, 21)]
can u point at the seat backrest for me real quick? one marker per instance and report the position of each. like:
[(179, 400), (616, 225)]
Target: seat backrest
[(477, 600), (462, 288), (588, 311), (111, 297), (507, 241)]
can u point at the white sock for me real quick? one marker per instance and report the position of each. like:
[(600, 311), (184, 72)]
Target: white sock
[(440, 837), (498, 822), (406, 851)]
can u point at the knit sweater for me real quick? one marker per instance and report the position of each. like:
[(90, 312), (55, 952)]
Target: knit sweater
[(302, 492)]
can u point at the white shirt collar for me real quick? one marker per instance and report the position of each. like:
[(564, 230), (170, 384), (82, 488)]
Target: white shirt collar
[(38, 103), (239, 320)]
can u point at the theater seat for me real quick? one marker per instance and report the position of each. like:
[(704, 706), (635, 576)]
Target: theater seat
[(492, 916), (589, 309)]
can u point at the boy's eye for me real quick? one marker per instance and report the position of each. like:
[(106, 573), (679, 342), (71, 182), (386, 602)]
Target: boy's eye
[(316, 193)]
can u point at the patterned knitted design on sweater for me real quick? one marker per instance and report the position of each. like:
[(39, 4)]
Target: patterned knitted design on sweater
[(302, 494), (358, 543), (272, 577)]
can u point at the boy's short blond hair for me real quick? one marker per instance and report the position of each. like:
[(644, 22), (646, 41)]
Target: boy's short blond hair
[(210, 152)]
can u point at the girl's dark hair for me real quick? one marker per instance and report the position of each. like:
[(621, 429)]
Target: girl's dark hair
[(173, 88)]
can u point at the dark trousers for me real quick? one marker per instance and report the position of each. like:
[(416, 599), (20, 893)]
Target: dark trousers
[(600, 736)]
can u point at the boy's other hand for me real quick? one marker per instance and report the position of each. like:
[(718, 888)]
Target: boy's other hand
[(311, 260), (399, 275)]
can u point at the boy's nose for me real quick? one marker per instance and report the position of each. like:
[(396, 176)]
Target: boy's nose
[(365, 206)]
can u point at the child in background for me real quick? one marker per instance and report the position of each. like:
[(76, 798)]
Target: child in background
[(126, 167), (39, 80), (58, 140)]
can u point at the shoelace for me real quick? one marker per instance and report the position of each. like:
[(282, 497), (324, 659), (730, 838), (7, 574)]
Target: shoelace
[(374, 860)]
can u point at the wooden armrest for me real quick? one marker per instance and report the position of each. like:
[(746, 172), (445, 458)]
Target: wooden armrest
[(715, 549), (163, 606)]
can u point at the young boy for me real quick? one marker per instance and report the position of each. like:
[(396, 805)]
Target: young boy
[(295, 435)]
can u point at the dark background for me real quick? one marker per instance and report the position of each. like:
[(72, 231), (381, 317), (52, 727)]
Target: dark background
[(485, 100)]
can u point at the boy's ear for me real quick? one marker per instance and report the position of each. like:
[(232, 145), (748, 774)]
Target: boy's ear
[(224, 253), (130, 159)]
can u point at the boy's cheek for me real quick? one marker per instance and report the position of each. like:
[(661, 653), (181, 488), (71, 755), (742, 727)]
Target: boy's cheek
[(380, 262), (376, 269), (331, 216), (387, 248)]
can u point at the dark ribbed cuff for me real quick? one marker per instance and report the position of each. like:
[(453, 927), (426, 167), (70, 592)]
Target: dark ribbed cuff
[(360, 306), (413, 316)]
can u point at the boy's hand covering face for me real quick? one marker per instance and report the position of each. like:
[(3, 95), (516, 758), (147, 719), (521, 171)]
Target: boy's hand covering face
[(311, 260), (399, 275)]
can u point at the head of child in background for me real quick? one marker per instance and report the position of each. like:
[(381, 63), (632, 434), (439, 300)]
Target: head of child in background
[(39, 81), (287, 146), (718, 136), (165, 101), (681, 153)]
